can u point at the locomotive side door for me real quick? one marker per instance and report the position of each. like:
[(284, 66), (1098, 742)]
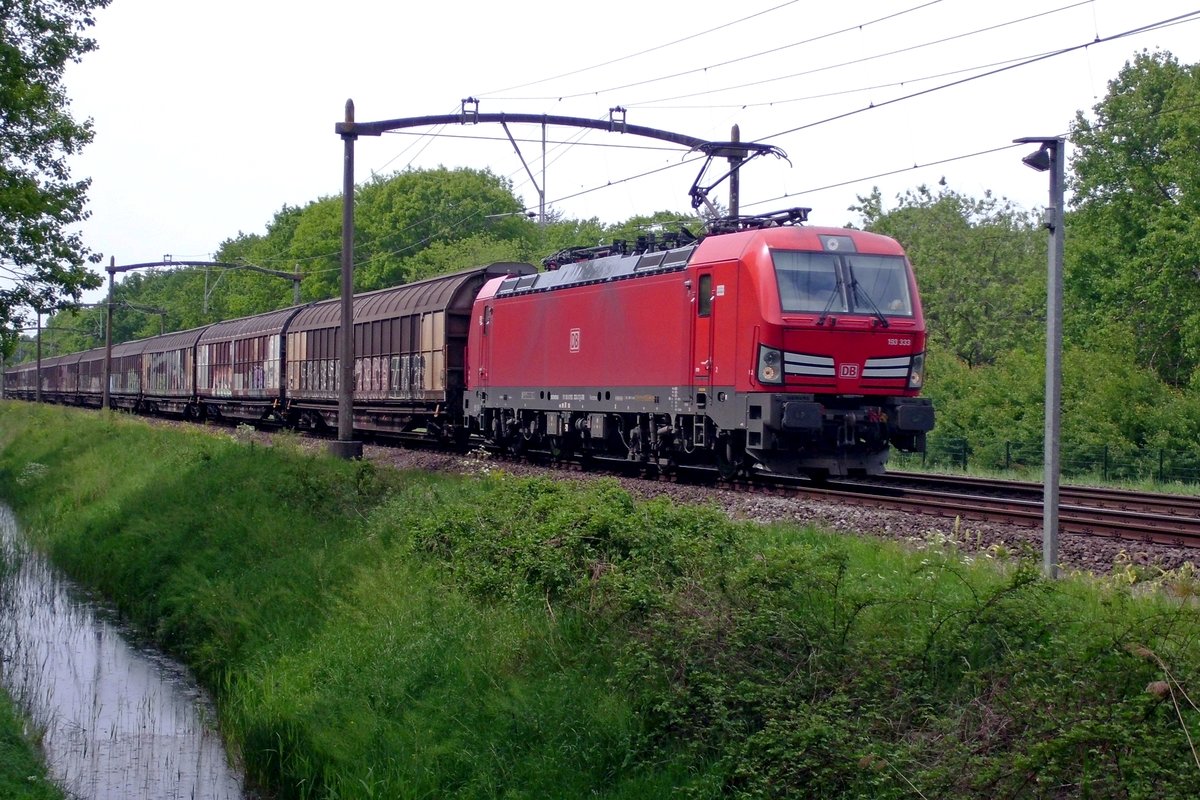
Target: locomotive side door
[(484, 367), (714, 316), (702, 330)]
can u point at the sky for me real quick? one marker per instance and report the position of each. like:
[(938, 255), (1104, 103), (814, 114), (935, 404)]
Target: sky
[(210, 117)]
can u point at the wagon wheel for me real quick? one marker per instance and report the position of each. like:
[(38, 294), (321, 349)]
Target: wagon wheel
[(461, 438), (517, 445)]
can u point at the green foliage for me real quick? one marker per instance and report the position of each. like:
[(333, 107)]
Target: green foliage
[(404, 213), (564, 233), (1107, 402), (39, 202), (441, 257), (654, 225), (981, 264), (22, 773), (1133, 235)]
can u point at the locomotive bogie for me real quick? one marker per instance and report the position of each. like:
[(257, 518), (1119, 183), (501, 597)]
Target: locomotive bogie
[(800, 434)]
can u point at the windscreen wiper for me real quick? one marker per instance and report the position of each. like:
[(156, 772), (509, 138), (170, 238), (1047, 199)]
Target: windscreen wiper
[(857, 291), (833, 295)]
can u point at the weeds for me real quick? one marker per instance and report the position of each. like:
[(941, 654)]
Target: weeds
[(31, 473), (22, 773)]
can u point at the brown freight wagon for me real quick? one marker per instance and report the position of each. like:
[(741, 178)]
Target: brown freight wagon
[(410, 346), (155, 375), (239, 367)]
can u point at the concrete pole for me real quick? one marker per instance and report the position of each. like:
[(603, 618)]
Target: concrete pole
[(37, 391), (735, 176), (345, 446), (112, 271), (1054, 313), (542, 187)]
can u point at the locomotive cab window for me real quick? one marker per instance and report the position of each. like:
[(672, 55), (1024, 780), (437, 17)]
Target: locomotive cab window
[(826, 282), (880, 282), (704, 296)]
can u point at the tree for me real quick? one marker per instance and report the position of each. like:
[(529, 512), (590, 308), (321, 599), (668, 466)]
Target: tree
[(1135, 230), (980, 264), (441, 258), (43, 260), (400, 215), (658, 225)]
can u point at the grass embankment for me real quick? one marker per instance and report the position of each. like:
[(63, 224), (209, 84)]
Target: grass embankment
[(406, 635), (22, 773)]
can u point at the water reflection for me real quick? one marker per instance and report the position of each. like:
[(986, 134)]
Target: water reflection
[(119, 722)]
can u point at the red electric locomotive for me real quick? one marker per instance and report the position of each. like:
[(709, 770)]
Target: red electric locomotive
[(771, 346)]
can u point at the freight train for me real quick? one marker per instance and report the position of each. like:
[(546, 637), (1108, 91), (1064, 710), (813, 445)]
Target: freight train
[(764, 345)]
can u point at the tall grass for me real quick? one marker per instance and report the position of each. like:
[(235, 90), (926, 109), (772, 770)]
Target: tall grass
[(22, 773), (373, 634)]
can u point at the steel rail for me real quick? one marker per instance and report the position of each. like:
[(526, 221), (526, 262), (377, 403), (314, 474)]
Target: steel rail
[(1078, 514)]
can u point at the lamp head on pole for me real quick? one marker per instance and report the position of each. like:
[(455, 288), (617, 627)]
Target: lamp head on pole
[(1038, 159), (1042, 158)]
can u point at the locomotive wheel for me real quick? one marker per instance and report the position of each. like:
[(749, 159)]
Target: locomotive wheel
[(730, 457)]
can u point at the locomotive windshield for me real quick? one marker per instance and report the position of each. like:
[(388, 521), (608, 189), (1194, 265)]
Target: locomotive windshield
[(825, 283)]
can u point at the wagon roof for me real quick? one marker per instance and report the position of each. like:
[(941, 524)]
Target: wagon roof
[(443, 293), (95, 354), (159, 344), (50, 361), (260, 324)]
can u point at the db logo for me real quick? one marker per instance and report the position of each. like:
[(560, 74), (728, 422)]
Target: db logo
[(574, 340), (849, 371)]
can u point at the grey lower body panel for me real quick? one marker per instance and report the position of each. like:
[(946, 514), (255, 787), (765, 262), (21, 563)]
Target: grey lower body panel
[(770, 431)]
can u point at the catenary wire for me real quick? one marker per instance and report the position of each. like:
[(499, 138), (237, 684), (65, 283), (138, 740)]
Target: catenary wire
[(841, 92), (887, 174), (709, 67), (1142, 29), (862, 60), (658, 48)]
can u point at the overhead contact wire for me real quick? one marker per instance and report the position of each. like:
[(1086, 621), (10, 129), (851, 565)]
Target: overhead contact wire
[(1143, 29), (852, 62), (656, 49)]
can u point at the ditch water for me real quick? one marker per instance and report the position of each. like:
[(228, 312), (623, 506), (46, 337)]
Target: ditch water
[(119, 722)]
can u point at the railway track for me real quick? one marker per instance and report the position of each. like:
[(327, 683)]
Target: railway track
[(1172, 520), (1163, 519)]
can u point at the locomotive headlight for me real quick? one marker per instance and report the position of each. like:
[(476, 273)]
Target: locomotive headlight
[(916, 377), (770, 365)]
